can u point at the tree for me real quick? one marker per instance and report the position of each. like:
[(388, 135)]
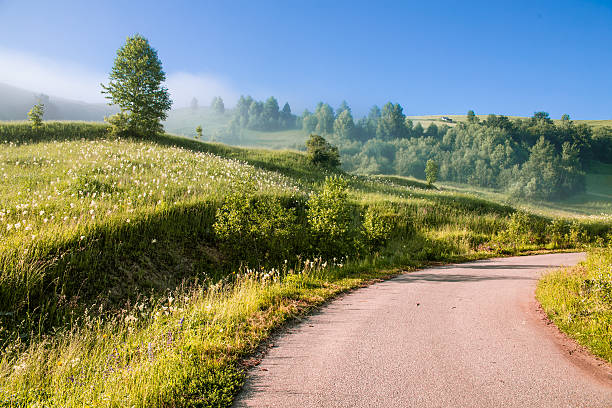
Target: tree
[(309, 121), (286, 118), (320, 152), (271, 113), (36, 115), (194, 104), (343, 107), (135, 85), (431, 171), (391, 123), (218, 105), (344, 126), (471, 117), (199, 132), (325, 118)]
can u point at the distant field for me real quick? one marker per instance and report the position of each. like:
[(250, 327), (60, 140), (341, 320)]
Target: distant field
[(596, 201), (426, 120)]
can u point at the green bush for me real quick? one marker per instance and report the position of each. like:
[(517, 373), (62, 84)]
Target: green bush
[(255, 228), (331, 219), (378, 223)]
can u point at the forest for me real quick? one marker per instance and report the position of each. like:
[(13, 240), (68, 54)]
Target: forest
[(535, 158)]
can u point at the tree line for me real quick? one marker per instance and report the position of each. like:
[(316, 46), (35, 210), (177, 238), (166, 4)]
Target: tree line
[(536, 158)]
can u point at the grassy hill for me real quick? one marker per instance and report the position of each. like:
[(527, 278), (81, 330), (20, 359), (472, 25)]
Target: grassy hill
[(426, 120), (143, 272)]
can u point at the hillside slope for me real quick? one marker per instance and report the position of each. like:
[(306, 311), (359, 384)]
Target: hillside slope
[(141, 272)]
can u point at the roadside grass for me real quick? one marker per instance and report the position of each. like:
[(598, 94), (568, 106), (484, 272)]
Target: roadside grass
[(579, 301), (141, 272)]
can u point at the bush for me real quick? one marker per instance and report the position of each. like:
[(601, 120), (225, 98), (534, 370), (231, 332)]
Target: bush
[(331, 219), (321, 153), (254, 228), (378, 223)]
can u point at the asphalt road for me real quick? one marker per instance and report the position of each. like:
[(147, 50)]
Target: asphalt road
[(466, 335)]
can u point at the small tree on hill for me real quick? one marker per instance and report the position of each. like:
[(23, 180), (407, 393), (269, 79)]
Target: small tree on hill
[(320, 152), (135, 85), (199, 132), (36, 115), (431, 171), (218, 105)]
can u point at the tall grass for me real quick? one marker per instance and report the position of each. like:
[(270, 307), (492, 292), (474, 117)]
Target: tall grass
[(579, 301)]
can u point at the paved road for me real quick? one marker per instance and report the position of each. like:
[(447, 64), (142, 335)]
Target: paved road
[(462, 335)]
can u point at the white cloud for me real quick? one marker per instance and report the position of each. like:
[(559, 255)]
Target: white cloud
[(72, 81)]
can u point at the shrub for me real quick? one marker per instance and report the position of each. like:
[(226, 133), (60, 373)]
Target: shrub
[(331, 219), (377, 225), (252, 227), (320, 152)]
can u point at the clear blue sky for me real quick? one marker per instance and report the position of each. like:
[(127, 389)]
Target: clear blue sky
[(432, 57)]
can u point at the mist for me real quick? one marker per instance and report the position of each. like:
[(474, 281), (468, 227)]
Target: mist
[(70, 80)]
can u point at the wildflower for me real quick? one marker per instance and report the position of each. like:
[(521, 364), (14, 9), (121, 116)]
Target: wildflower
[(153, 241)]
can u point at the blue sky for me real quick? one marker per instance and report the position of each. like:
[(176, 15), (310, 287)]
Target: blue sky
[(432, 57)]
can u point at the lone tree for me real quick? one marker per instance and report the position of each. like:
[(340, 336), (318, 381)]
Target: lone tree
[(135, 85), (199, 132), (36, 114), (471, 117), (320, 152), (431, 171)]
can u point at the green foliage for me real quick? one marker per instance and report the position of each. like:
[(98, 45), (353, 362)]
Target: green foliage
[(325, 119), (344, 127), (431, 171), (391, 123), (36, 115), (321, 153), (331, 220), (378, 223), (198, 132), (253, 228), (135, 85)]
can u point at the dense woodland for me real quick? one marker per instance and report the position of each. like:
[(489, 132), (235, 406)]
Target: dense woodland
[(536, 158)]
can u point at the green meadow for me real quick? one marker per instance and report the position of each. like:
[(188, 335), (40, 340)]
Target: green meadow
[(143, 272)]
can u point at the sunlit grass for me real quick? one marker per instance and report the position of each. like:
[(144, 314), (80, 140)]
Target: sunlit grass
[(579, 301)]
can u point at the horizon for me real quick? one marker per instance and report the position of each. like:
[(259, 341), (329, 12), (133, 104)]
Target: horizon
[(510, 60)]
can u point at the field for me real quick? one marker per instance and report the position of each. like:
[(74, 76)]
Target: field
[(143, 272)]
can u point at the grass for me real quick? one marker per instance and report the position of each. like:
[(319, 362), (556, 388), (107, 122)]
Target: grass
[(579, 301), (117, 289)]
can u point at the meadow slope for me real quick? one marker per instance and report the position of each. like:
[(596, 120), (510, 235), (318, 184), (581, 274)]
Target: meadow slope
[(142, 272)]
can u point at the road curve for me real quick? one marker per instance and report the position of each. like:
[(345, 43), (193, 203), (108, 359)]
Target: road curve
[(465, 335)]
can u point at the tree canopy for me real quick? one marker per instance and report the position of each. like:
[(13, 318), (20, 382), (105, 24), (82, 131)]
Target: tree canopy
[(135, 86)]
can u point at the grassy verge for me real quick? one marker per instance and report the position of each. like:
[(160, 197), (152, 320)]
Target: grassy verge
[(579, 301)]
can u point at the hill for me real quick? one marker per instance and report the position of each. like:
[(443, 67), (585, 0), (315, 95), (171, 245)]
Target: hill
[(426, 120), (15, 103), (141, 272)]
